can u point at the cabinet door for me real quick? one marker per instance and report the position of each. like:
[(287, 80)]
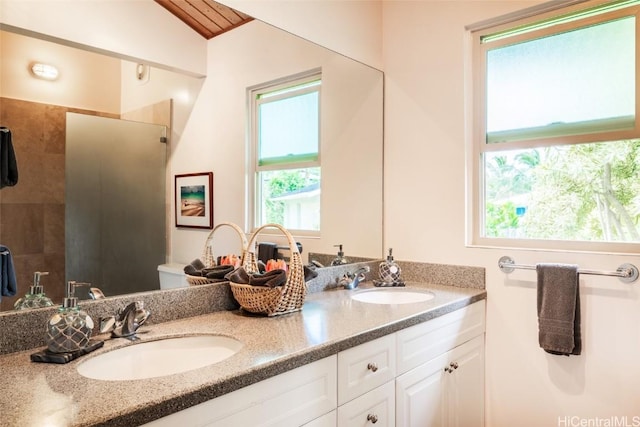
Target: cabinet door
[(373, 409), (447, 391), (365, 367), (421, 395), (466, 405)]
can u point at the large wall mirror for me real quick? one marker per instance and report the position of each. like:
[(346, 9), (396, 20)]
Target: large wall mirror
[(203, 116)]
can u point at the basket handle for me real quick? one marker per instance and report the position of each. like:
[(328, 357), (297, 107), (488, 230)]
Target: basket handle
[(207, 253), (292, 243), (250, 263)]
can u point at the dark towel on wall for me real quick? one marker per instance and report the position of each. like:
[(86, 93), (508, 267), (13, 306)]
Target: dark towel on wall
[(8, 162), (559, 309), (8, 284)]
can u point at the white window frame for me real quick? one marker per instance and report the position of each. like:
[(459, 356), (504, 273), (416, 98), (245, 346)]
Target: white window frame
[(476, 119), (253, 93)]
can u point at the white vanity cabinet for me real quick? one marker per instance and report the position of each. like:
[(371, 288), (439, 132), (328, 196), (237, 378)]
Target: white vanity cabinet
[(442, 371), (294, 398), (327, 420), (366, 375), (446, 391), (374, 407), (427, 375)]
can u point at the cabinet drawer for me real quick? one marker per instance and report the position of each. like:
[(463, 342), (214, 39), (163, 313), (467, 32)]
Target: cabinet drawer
[(421, 343), (374, 408), (290, 399), (366, 367)]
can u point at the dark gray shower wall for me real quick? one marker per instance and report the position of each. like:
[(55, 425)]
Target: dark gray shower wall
[(115, 217)]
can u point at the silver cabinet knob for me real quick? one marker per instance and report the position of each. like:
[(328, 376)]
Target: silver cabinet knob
[(372, 367), (373, 418)]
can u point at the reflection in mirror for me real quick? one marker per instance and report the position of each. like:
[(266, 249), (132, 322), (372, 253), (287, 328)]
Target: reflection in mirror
[(32, 214), (117, 232), (259, 55)]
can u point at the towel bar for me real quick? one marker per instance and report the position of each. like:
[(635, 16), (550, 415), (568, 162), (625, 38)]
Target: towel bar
[(627, 273)]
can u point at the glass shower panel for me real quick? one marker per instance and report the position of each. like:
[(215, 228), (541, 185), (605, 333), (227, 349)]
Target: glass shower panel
[(115, 213)]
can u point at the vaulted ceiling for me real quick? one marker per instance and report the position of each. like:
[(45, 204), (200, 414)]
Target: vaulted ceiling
[(207, 17)]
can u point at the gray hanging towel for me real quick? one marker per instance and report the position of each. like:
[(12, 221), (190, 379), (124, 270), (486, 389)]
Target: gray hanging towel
[(8, 283), (559, 309), (8, 162)]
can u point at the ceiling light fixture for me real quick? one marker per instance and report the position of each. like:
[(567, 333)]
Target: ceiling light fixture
[(44, 71)]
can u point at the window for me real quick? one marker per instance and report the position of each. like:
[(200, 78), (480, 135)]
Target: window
[(285, 136), (556, 138)]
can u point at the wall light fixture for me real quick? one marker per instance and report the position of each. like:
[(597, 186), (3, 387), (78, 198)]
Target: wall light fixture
[(44, 71)]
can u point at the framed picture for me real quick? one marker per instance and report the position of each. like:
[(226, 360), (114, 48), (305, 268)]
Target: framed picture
[(194, 200)]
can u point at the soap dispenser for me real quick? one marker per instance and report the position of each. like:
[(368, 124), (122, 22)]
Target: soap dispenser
[(36, 297), (390, 271), (69, 329), (340, 259)]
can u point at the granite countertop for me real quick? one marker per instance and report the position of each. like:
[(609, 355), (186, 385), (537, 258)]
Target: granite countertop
[(39, 394)]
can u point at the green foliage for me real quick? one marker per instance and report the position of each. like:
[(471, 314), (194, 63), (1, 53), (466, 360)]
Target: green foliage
[(573, 192), (282, 182), (502, 220)]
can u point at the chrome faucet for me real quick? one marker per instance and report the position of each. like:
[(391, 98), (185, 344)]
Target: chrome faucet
[(352, 280), (126, 321)]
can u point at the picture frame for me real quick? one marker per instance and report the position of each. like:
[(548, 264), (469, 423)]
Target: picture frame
[(194, 200)]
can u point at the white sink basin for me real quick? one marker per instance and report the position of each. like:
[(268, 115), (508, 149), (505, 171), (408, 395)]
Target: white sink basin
[(159, 358), (392, 296)]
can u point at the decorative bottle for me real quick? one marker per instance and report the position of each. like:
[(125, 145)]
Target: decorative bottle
[(35, 298), (339, 259), (389, 271), (70, 328)]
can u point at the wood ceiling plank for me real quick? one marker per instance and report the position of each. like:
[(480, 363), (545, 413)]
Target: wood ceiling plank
[(177, 10), (191, 8), (231, 15), (207, 9), (207, 17)]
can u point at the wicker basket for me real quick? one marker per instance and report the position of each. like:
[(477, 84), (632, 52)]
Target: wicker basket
[(272, 301), (207, 253)]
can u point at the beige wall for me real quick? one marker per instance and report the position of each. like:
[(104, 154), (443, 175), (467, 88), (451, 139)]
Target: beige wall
[(424, 63), (423, 59), (351, 129), (352, 28), (130, 29), (87, 80)]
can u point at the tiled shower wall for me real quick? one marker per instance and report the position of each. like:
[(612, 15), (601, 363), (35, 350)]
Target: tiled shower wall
[(32, 212)]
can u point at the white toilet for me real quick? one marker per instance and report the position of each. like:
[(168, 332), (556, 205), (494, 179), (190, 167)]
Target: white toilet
[(172, 276)]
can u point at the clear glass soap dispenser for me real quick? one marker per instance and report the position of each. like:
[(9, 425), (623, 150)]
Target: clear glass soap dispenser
[(36, 297), (339, 259), (389, 271), (70, 328)]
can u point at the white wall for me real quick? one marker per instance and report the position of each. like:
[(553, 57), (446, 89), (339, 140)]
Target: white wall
[(351, 132), (130, 28), (423, 60), (352, 28), (87, 80), (425, 221)]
